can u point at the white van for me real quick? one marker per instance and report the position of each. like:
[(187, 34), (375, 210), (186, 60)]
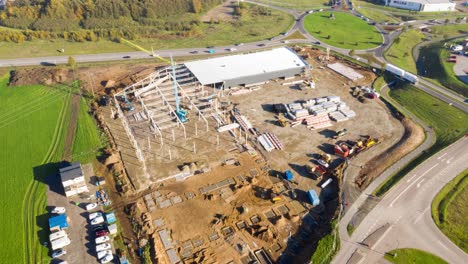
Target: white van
[(57, 235)]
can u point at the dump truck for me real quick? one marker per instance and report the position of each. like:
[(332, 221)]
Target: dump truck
[(343, 150), (313, 197), (316, 171)]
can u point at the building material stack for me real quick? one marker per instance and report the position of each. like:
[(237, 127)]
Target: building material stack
[(270, 142)]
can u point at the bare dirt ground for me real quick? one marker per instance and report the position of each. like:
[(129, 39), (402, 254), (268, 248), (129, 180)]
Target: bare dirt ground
[(413, 136), (222, 12)]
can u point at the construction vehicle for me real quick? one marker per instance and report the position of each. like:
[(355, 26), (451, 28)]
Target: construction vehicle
[(344, 150), (316, 171), (181, 114), (340, 133), (282, 122)]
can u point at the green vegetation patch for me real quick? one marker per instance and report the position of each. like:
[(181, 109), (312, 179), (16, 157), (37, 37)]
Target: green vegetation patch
[(297, 4), (411, 255), (448, 122), (377, 15), (87, 138), (31, 136), (337, 31), (441, 71), (450, 208), (401, 51), (327, 246)]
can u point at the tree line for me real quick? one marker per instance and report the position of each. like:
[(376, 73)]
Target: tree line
[(90, 20)]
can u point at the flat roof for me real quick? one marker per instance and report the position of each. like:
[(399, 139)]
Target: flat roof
[(220, 69), (59, 220)]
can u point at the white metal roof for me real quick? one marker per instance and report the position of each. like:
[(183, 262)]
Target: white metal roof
[(220, 69)]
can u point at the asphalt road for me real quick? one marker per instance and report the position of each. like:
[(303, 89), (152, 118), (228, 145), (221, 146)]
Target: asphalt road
[(407, 210)]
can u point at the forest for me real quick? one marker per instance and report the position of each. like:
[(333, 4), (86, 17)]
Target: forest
[(91, 20)]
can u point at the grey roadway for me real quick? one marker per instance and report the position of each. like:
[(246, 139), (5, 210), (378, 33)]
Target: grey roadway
[(407, 208)]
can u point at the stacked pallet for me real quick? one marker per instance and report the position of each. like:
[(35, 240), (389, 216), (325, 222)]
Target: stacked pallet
[(338, 116), (348, 113), (275, 140), (318, 121), (243, 122)]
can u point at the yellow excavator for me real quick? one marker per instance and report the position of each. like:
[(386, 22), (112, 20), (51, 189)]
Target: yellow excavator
[(282, 122)]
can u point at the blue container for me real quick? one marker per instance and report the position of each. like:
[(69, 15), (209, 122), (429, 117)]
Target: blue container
[(314, 199), (289, 175)]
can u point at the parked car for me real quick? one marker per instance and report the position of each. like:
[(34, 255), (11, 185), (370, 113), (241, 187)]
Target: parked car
[(91, 216), (102, 254), (210, 47), (98, 220), (99, 227), (100, 240), (126, 57), (232, 49), (323, 163), (91, 206), (101, 233), (107, 259), (101, 247), (59, 210), (58, 253)]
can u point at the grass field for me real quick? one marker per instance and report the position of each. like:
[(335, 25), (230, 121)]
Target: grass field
[(439, 70), (87, 138), (450, 208), (401, 54), (411, 255), (376, 15), (448, 122), (31, 135), (339, 29), (450, 30), (327, 246), (297, 4), (248, 29)]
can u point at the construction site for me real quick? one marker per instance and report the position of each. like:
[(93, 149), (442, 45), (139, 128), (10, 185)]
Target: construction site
[(239, 159)]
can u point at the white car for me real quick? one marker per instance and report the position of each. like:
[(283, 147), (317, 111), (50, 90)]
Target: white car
[(323, 163), (107, 259), (102, 254), (59, 210), (102, 247), (91, 206), (103, 239), (98, 220), (91, 216)]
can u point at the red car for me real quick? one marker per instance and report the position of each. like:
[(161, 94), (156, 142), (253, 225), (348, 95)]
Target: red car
[(102, 233)]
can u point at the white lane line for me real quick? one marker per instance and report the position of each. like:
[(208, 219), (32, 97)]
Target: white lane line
[(421, 215), (419, 184), (449, 160), (381, 238), (411, 178), (441, 156), (442, 244), (409, 186)]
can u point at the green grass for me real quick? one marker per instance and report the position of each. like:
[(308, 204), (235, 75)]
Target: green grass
[(411, 255), (450, 30), (297, 4), (450, 208), (448, 122), (439, 70), (248, 29), (31, 135), (401, 54), (350, 228), (376, 15), (327, 246), (87, 139), (339, 29), (295, 35)]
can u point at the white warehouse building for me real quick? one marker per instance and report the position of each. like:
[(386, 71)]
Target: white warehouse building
[(423, 5)]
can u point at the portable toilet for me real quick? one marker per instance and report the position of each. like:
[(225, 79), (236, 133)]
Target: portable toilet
[(288, 175)]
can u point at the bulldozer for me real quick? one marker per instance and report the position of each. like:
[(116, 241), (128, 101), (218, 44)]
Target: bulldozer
[(340, 133), (282, 122)]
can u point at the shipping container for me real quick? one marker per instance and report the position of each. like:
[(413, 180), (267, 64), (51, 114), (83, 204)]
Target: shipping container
[(313, 197)]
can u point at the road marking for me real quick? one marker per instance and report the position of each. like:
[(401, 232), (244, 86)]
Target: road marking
[(419, 184), (381, 238), (409, 186), (449, 160), (421, 215), (411, 178), (398, 219), (442, 155), (442, 244)]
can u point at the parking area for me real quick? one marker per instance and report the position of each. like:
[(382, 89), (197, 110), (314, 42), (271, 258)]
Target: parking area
[(82, 248)]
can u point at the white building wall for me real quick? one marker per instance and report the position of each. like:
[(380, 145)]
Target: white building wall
[(404, 4), (439, 7)]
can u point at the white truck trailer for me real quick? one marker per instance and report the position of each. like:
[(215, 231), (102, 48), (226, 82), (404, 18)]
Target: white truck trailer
[(60, 243), (401, 73)]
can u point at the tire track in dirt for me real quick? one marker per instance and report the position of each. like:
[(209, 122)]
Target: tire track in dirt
[(72, 125)]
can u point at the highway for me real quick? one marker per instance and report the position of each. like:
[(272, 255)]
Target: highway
[(402, 219)]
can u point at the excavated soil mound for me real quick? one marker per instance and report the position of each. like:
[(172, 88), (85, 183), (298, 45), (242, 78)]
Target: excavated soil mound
[(43, 76)]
